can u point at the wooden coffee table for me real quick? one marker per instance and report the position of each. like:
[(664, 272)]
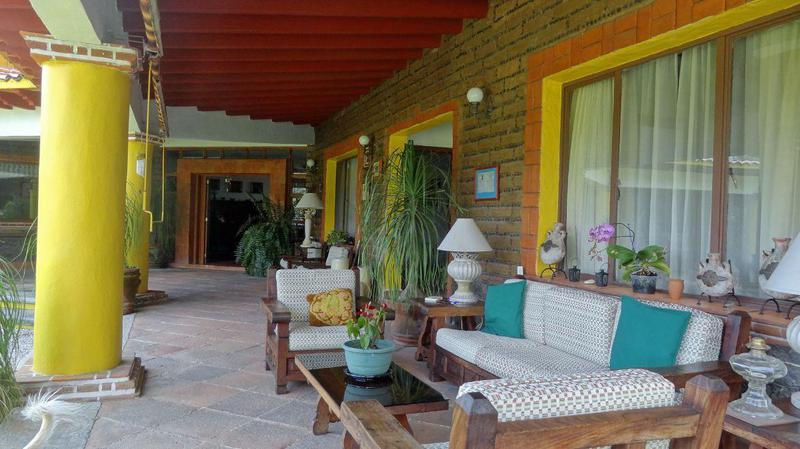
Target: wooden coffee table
[(785, 436), (401, 394)]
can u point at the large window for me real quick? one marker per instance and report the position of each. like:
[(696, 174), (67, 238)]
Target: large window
[(694, 156), (346, 188)]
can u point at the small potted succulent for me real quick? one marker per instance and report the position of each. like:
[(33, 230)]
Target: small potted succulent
[(367, 354), (600, 235), (640, 267)]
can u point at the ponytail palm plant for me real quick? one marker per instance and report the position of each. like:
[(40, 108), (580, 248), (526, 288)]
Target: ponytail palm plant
[(405, 214)]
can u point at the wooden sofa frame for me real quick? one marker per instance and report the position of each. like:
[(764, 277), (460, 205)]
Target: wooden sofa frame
[(735, 335), (279, 358), (695, 424)]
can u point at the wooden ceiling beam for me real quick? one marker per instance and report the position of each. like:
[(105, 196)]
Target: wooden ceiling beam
[(263, 94), (257, 24), (326, 8), (174, 42), (198, 68), (318, 55), (247, 103), (273, 77), (276, 86)]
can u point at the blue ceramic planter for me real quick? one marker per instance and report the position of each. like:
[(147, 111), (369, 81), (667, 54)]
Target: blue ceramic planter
[(644, 284), (368, 362)]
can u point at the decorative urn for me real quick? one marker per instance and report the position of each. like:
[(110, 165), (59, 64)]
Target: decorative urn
[(759, 370), (714, 277), (554, 247)]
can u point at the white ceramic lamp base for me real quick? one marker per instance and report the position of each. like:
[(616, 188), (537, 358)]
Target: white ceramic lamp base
[(307, 240), (464, 269)]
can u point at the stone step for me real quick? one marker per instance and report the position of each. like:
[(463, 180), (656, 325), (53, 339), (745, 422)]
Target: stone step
[(124, 381)]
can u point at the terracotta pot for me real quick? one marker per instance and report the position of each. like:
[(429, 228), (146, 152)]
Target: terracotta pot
[(675, 289), (407, 324), (130, 285)]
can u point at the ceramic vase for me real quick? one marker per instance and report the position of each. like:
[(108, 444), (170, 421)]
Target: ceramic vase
[(368, 362), (715, 277), (769, 261), (675, 289), (554, 247), (644, 283)]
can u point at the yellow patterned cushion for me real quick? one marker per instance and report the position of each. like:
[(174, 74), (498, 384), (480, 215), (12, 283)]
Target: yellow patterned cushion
[(331, 308)]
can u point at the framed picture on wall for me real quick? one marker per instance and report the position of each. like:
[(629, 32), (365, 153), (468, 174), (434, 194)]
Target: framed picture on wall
[(487, 183)]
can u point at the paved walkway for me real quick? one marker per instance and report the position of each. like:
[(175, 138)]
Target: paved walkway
[(207, 387)]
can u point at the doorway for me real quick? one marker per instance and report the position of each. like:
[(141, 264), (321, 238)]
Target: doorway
[(231, 201)]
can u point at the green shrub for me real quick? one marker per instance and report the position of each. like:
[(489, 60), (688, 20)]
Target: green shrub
[(265, 238)]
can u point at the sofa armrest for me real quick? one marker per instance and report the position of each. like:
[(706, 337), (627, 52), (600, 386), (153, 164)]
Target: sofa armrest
[(680, 374), (371, 426), (275, 310)]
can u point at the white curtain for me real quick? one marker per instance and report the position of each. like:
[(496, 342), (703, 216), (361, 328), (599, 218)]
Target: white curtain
[(588, 193), (764, 165), (666, 148)]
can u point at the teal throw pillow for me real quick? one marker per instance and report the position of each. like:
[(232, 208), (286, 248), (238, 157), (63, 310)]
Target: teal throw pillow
[(503, 309), (647, 336)]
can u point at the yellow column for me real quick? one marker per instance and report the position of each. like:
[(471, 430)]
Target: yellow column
[(84, 121), (139, 162)]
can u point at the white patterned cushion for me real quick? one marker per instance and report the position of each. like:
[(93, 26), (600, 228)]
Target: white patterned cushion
[(532, 361), (703, 338), (294, 285), (303, 336), (533, 314), (468, 344), (580, 323), (445, 445), (576, 394), (318, 360)]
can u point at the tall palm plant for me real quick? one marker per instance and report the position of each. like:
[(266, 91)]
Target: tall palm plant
[(405, 214), (11, 316)]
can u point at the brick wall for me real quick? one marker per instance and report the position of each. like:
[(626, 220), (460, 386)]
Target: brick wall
[(490, 53)]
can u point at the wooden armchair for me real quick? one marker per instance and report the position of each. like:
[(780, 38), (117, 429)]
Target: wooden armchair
[(288, 331), (556, 416)]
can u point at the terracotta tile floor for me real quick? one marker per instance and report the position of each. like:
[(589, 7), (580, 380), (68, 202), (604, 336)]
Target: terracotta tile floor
[(206, 385)]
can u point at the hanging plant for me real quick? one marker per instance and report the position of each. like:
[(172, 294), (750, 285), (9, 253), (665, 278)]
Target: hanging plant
[(265, 237)]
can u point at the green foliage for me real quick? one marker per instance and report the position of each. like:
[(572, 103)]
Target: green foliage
[(645, 262), (367, 327), (11, 317), (133, 221), (337, 237), (404, 216), (265, 237)]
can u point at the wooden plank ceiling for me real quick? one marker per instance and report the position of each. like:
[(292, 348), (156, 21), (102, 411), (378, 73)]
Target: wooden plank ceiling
[(288, 60), (16, 16)]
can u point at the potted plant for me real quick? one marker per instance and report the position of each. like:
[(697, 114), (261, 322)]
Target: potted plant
[(404, 216), (640, 267), (338, 258), (265, 237), (131, 275), (600, 235), (366, 353)]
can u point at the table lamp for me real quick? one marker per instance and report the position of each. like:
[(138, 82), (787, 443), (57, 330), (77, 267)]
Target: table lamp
[(786, 279), (309, 202), (464, 240)]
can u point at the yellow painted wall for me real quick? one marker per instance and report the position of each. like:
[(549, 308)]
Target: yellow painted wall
[(83, 151), (553, 87), (139, 255)]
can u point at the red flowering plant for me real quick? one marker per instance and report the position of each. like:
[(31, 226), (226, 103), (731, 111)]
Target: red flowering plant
[(366, 328)]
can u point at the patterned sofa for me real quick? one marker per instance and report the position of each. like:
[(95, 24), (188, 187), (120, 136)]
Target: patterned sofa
[(625, 408), (569, 330)]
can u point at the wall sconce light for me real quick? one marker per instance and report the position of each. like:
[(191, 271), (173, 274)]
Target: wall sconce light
[(310, 163), (364, 141), (474, 97)]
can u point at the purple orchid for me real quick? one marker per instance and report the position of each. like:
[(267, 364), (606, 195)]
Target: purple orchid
[(600, 234)]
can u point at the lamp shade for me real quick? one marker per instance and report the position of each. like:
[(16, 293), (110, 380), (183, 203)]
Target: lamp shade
[(309, 201), (786, 277), (465, 237)]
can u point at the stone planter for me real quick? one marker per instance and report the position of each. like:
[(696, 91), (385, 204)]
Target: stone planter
[(130, 284), (644, 283), (368, 362)]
